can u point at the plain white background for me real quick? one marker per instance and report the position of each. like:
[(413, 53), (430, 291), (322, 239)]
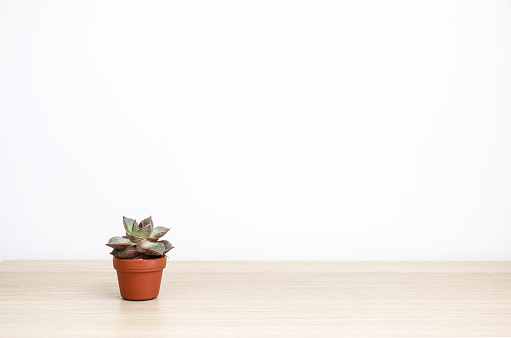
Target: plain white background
[(257, 130)]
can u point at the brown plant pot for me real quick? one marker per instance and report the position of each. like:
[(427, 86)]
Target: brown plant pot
[(139, 279)]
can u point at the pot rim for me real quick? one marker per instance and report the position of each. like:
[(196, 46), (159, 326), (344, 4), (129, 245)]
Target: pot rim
[(140, 265)]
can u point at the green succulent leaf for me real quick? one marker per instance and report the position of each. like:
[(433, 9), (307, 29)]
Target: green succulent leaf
[(144, 232), (153, 248), (157, 233), (127, 253), (148, 222), (136, 227), (128, 223), (119, 243), (134, 238), (168, 246), (136, 231)]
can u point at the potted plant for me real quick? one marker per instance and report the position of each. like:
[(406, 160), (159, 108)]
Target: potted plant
[(139, 258)]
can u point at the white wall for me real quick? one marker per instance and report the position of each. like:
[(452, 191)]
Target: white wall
[(256, 130)]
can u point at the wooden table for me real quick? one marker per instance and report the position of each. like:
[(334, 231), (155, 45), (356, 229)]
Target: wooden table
[(256, 299)]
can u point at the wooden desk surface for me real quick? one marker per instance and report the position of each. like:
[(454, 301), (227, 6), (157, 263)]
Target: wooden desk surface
[(256, 299)]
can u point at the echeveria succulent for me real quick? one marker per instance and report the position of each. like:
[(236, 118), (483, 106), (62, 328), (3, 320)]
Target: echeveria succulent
[(141, 240)]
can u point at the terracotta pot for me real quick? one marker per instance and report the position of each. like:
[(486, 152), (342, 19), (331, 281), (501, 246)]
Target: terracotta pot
[(139, 279)]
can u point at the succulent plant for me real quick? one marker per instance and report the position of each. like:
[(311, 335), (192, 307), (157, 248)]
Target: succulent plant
[(141, 240)]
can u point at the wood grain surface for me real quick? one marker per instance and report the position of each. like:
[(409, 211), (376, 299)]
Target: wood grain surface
[(260, 299)]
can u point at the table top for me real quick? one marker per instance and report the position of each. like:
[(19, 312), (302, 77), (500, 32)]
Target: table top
[(256, 299)]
